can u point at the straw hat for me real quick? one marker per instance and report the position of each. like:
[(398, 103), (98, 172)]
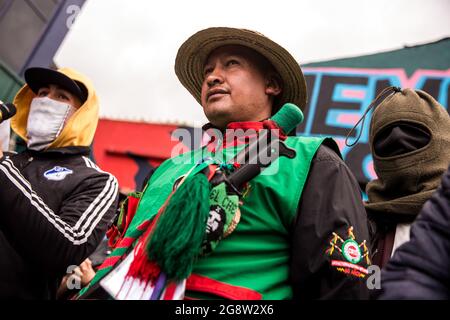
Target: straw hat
[(194, 51)]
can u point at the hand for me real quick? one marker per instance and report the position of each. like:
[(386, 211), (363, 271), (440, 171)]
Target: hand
[(82, 274), (85, 272)]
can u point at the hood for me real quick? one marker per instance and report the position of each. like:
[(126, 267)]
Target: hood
[(406, 180), (79, 129)]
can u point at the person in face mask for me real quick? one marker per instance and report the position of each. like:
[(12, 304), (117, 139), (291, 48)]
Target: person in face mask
[(49, 112), (410, 144), (55, 203)]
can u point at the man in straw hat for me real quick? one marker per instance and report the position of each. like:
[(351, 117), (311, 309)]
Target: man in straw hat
[(302, 227), (56, 203)]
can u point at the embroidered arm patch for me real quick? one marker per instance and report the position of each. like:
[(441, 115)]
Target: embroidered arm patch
[(347, 256)]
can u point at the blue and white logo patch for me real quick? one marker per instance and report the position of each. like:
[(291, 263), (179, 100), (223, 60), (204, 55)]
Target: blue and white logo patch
[(57, 173)]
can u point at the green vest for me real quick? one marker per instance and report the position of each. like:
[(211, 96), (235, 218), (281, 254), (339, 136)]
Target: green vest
[(256, 255)]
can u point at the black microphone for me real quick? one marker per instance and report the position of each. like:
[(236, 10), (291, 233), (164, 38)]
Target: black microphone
[(7, 110)]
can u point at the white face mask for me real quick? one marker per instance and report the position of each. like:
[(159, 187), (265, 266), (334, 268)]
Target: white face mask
[(46, 121)]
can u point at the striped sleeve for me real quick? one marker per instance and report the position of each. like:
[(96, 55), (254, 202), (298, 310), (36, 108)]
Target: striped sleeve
[(56, 239)]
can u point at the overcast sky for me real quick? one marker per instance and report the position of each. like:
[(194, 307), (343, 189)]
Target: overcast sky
[(128, 48)]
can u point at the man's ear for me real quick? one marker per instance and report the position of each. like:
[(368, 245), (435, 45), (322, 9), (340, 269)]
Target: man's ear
[(273, 84)]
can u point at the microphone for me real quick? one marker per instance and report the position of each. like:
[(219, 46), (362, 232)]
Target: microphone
[(7, 110), (267, 148)]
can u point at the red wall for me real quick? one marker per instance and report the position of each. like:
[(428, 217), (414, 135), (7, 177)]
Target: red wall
[(129, 150)]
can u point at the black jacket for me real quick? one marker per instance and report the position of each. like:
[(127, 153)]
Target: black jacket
[(331, 202), (420, 268), (55, 208)]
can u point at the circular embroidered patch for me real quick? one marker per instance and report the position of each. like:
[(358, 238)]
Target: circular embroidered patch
[(351, 251)]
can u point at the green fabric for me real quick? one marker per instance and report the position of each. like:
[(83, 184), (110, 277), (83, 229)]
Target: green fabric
[(155, 194), (177, 239), (228, 204), (256, 254)]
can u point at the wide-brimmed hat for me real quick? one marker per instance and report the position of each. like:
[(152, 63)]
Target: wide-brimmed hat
[(37, 78), (194, 51)]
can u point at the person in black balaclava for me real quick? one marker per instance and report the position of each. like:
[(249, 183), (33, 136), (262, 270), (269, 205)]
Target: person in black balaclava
[(410, 144)]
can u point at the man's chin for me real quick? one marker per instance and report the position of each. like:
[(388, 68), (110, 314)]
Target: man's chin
[(219, 124), (219, 118)]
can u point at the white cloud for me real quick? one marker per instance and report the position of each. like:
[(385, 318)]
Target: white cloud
[(128, 48)]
